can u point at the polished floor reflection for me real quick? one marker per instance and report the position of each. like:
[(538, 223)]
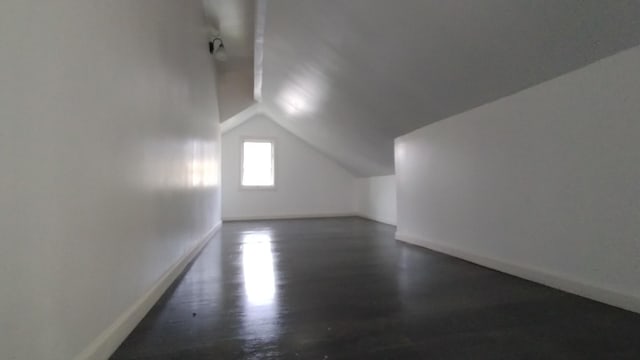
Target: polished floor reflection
[(345, 289)]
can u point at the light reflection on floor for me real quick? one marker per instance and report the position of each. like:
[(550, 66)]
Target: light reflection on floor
[(259, 284)]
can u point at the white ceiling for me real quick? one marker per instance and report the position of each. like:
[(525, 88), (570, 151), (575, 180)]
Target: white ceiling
[(235, 21), (348, 76)]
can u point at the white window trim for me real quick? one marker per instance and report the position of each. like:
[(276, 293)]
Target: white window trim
[(262, 139)]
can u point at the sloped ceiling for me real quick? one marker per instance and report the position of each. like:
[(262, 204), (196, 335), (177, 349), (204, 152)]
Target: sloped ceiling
[(348, 76), (235, 21)]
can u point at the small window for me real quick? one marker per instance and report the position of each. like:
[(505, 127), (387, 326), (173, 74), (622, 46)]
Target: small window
[(258, 165)]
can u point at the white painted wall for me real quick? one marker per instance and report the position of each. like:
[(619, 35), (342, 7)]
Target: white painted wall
[(308, 183), (109, 124), (376, 198), (544, 183)]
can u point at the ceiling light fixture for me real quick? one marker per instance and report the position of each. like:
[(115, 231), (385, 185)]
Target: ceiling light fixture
[(216, 47)]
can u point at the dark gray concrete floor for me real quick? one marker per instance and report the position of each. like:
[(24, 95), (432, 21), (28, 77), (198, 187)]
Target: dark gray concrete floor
[(345, 289)]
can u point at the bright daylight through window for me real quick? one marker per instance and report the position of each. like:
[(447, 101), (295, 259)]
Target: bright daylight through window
[(258, 163)]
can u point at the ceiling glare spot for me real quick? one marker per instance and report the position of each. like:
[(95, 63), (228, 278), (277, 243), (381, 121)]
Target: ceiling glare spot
[(304, 92), (294, 104)]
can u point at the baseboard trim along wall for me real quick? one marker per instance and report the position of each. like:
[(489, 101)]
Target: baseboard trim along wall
[(380, 220), (108, 341), (557, 281), (288, 217)]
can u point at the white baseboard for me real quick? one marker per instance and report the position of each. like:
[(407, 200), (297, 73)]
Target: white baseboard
[(287, 217), (380, 220), (108, 341), (559, 281)]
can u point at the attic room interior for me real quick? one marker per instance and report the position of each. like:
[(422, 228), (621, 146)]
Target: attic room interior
[(299, 179)]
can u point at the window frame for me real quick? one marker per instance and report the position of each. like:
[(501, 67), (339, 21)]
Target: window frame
[(259, 139)]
